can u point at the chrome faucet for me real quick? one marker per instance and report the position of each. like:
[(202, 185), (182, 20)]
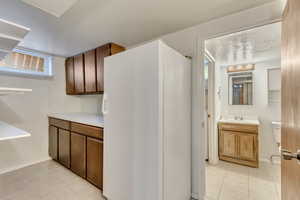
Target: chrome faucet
[(238, 118)]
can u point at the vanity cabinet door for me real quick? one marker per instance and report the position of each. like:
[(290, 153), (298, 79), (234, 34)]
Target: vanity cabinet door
[(228, 144), (53, 142), (78, 154), (95, 161), (247, 149), (64, 147)]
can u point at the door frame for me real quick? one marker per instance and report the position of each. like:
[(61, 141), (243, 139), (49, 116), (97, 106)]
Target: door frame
[(198, 95), (212, 141)]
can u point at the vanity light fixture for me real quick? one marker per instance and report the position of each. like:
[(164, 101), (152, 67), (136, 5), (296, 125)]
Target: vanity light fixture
[(240, 68)]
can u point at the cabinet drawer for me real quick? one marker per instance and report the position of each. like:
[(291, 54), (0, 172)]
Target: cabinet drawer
[(90, 131), (59, 123), (239, 128)]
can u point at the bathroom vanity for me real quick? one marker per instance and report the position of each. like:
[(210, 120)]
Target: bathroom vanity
[(238, 141)]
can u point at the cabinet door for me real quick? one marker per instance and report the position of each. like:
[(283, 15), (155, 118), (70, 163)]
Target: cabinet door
[(247, 149), (79, 74), (101, 53), (64, 147), (95, 161), (90, 71), (53, 142), (114, 49), (78, 154), (228, 144), (69, 66)]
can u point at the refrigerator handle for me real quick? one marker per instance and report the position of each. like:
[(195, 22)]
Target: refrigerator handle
[(104, 104)]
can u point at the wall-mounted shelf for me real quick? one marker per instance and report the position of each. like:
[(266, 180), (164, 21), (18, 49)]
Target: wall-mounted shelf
[(11, 35), (7, 91), (8, 132)]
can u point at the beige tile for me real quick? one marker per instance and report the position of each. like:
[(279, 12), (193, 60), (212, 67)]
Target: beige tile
[(229, 192), (227, 181), (46, 181)]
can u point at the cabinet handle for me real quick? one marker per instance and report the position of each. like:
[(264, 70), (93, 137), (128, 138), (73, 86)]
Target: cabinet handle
[(104, 104)]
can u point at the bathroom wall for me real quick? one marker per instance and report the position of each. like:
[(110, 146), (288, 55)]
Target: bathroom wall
[(29, 112), (261, 108)]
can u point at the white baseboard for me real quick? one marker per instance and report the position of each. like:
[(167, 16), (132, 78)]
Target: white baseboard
[(22, 166)]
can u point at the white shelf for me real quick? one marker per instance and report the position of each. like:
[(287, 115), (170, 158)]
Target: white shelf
[(11, 35), (7, 91), (8, 132)]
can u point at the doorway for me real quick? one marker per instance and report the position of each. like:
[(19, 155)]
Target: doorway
[(242, 94)]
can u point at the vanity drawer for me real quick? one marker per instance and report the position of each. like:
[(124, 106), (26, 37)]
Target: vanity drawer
[(59, 123), (90, 131), (239, 127)]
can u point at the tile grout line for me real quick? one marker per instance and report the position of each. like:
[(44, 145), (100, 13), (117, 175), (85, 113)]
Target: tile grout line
[(248, 184), (221, 187)]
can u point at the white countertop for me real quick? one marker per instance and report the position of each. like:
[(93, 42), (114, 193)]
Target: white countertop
[(244, 121), (8, 132), (83, 118)]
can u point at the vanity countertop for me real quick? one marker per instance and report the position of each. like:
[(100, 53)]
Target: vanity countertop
[(8, 132), (244, 121), (83, 118)]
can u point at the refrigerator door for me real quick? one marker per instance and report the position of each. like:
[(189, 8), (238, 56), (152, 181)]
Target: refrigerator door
[(131, 147)]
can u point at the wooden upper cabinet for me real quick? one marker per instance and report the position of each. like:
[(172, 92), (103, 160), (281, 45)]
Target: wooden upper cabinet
[(79, 74), (90, 71), (115, 48), (85, 72), (70, 88), (102, 52)]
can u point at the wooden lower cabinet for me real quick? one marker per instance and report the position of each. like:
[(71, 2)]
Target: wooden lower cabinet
[(95, 161), (239, 144), (78, 147), (247, 146), (78, 154), (228, 144), (64, 147), (53, 142)]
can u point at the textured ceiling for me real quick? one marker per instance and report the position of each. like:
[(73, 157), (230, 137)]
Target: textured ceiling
[(90, 23), (251, 46), (54, 7)]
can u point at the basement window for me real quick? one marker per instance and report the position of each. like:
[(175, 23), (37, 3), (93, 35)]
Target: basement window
[(25, 62)]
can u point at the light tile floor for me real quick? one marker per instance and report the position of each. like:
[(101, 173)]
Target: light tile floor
[(46, 181), (226, 181)]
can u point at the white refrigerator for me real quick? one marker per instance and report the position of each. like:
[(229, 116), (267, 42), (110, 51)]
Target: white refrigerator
[(147, 119)]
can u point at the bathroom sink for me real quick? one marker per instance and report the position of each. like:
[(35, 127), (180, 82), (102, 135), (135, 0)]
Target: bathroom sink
[(243, 121)]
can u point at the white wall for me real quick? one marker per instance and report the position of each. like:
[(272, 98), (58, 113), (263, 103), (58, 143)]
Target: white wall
[(261, 108), (29, 112), (190, 41)]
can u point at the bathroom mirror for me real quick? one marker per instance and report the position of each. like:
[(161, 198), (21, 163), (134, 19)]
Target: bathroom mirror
[(240, 88)]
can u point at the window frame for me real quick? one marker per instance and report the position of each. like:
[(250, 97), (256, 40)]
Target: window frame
[(48, 64)]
